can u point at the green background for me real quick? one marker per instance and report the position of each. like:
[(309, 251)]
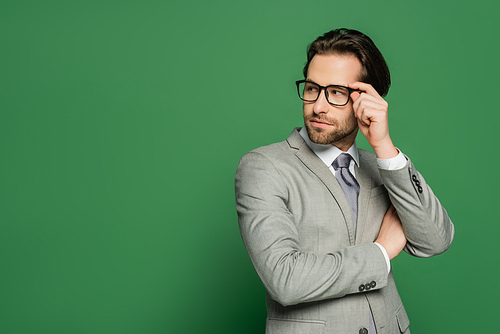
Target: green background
[(122, 123)]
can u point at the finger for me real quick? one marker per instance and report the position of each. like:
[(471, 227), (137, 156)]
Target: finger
[(365, 119), (365, 87), (378, 102), (368, 110), (360, 114), (359, 105), (355, 95), (369, 97)]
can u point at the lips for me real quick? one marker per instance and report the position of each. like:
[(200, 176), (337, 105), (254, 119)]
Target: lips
[(319, 123)]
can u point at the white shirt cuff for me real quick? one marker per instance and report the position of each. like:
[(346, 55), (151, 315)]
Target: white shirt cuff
[(398, 162), (387, 260)]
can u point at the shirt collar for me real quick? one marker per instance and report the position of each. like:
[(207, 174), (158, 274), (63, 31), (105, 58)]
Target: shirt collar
[(328, 153)]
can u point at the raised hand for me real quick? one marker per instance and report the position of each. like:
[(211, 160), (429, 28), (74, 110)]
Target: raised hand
[(371, 111)]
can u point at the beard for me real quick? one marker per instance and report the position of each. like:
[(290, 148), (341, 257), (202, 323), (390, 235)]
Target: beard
[(340, 131)]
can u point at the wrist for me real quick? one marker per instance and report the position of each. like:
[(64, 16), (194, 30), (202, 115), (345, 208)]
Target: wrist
[(385, 150)]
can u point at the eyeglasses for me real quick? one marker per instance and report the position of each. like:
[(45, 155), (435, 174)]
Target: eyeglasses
[(335, 94)]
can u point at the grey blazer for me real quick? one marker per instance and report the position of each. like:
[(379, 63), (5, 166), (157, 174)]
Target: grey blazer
[(296, 224)]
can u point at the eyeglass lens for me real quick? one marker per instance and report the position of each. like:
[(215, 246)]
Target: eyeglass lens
[(335, 94)]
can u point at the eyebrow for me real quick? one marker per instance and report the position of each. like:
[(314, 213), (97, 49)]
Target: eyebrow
[(314, 82)]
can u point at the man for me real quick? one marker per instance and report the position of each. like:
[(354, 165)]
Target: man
[(320, 218)]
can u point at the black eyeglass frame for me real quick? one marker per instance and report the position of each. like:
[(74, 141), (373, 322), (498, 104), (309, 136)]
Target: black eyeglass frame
[(350, 90)]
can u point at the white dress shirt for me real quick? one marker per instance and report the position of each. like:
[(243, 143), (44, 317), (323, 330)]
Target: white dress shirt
[(328, 154)]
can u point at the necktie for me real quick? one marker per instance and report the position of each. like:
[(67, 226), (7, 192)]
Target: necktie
[(351, 190), (348, 183)]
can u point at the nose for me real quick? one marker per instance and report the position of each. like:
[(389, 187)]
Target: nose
[(321, 106)]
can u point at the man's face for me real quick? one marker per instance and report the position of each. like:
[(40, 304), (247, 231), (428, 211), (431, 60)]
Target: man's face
[(325, 123)]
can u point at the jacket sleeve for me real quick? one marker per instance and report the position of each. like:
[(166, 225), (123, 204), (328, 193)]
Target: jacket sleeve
[(426, 224), (268, 229)]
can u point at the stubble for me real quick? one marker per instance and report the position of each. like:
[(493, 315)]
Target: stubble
[(339, 133)]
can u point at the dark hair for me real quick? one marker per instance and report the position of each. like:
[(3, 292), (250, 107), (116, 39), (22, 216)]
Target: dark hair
[(347, 41)]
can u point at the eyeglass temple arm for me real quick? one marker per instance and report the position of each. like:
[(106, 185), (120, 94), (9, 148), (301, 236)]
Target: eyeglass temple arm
[(356, 90)]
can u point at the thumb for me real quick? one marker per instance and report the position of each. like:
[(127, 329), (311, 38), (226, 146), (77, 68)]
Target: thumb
[(354, 96)]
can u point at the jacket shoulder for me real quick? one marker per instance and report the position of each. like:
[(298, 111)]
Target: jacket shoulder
[(271, 150), (279, 151), (367, 156)]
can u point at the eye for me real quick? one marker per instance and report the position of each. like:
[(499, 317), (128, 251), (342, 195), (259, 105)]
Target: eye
[(311, 88), (337, 91)]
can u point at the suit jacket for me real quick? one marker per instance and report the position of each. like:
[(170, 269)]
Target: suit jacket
[(320, 276)]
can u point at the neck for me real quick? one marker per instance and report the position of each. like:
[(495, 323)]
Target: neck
[(345, 143)]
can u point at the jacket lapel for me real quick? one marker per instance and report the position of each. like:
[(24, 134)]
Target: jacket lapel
[(317, 167), (365, 183)]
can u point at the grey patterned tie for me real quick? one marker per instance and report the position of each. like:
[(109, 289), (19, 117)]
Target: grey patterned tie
[(348, 183), (351, 190)]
